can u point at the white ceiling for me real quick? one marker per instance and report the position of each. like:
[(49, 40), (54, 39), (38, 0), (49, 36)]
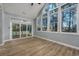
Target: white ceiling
[(23, 9)]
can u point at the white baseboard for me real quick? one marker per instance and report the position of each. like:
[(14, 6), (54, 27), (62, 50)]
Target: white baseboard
[(61, 43), (16, 39), (2, 44), (13, 39)]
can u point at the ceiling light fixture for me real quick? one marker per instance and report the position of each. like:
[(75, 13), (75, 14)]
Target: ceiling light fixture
[(33, 4)]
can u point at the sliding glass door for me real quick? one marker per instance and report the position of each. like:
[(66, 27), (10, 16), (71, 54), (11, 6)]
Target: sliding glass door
[(15, 30), (21, 30)]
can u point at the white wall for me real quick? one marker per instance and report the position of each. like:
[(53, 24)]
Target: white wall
[(6, 26), (78, 19), (0, 26)]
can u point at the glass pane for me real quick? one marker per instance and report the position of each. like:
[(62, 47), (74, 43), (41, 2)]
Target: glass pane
[(23, 30), (69, 20), (44, 24), (45, 15), (29, 29), (52, 6), (54, 11), (39, 24), (15, 30), (53, 22), (68, 5)]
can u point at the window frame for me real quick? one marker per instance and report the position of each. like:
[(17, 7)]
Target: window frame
[(38, 18), (68, 8), (52, 14), (53, 22), (42, 21)]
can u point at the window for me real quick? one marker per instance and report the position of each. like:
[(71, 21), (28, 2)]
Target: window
[(68, 5), (45, 10), (53, 17), (53, 22), (51, 6), (69, 18), (39, 24), (50, 18), (44, 24), (44, 19)]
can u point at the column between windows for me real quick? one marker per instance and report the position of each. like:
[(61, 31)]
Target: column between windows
[(59, 19)]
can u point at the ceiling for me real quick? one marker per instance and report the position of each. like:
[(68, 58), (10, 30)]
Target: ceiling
[(23, 9)]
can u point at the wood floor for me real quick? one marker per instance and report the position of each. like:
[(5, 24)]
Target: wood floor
[(35, 47)]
